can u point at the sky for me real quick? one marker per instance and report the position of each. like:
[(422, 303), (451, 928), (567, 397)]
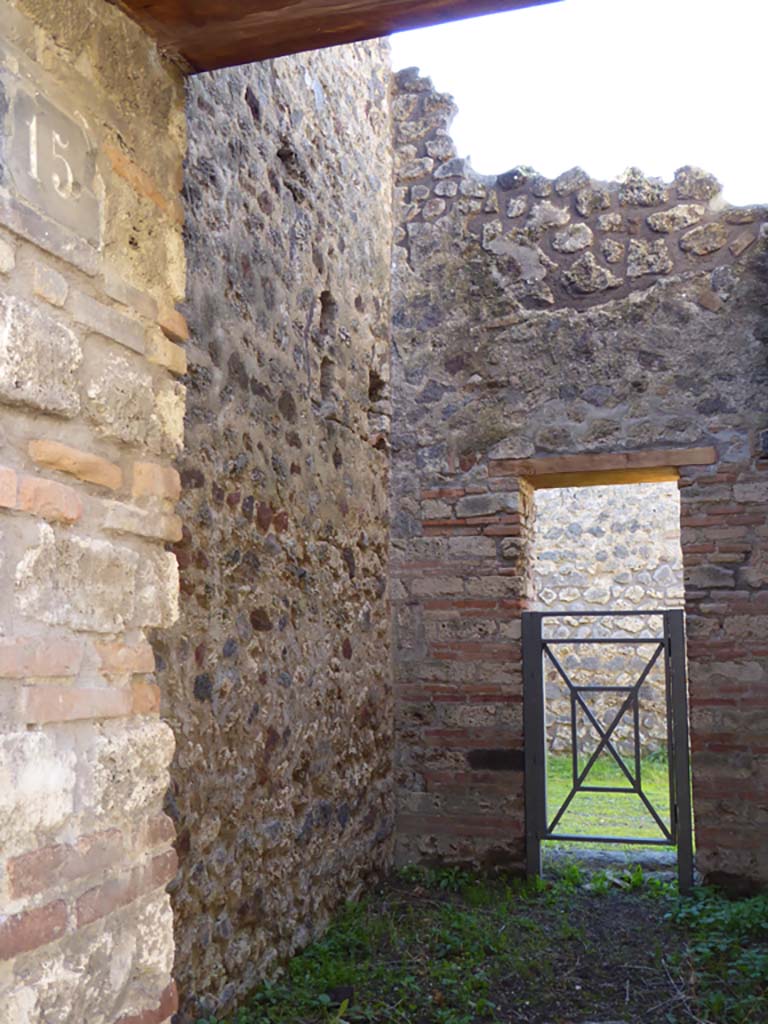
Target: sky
[(606, 85)]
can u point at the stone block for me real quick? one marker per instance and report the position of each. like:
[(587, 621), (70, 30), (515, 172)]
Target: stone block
[(49, 236), (50, 285), (163, 352), (119, 290), (39, 359), (153, 480), (486, 504), (77, 582), (704, 240), (108, 322), (676, 218), (48, 499), (648, 258), (7, 257), (83, 465), (157, 590), (37, 788), (127, 404), (125, 775), (122, 518)]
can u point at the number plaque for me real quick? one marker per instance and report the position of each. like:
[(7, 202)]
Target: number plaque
[(52, 164)]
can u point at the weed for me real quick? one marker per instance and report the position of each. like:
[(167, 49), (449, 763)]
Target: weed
[(727, 955)]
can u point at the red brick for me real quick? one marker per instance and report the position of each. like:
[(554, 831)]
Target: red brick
[(32, 928), (173, 325), (123, 658), (168, 1005), (48, 499), (70, 703), (38, 870), (83, 465), (117, 892), (23, 657)]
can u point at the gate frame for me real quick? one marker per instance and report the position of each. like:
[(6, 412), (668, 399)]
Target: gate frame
[(534, 726)]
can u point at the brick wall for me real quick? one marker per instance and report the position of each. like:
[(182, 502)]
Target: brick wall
[(91, 408), (535, 319)]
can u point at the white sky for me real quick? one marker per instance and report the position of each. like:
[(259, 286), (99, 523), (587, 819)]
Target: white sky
[(608, 84)]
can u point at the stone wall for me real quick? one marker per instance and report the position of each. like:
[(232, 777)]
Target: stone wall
[(91, 263), (535, 319), (600, 548), (276, 679)]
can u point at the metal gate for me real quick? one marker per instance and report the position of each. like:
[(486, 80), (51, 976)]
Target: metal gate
[(667, 651)]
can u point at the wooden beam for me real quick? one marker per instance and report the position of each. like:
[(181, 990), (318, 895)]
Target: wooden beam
[(208, 34), (600, 462), (596, 478)]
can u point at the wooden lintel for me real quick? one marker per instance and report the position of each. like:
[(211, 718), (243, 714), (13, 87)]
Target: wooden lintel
[(208, 34), (638, 464), (596, 478)]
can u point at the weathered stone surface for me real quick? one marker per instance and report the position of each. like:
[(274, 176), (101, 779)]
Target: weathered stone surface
[(574, 239), (613, 251), (39, 359), (37, 788), (571, 181), (485, 370), (50, 285), (586, 276), (107, 321), (590, 200), (693, 183), (704, 240), (637, 190), (70, 581), (648, 257), (675, 218), (282, 645), (129, 404), (546, 215)]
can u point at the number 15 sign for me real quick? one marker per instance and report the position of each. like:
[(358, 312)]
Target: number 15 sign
[(52, 164)]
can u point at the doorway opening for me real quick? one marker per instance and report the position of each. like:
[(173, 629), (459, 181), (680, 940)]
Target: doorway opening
[(601, 659)]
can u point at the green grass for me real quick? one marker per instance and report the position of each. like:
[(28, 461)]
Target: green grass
[(616, 814), (448, 947)]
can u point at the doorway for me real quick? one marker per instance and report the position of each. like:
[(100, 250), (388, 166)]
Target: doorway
[(604, 674)]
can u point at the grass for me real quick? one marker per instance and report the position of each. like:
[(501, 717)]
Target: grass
[(448, 947), (617, 814)]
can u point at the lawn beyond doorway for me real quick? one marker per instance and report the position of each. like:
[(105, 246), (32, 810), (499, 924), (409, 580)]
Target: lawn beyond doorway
[(609, 814), (447, 947)]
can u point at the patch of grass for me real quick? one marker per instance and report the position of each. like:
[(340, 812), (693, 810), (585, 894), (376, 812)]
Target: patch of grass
[(450, 947), (613, 814)]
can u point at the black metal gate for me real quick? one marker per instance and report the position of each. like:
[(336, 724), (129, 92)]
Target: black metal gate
[(667, 651)]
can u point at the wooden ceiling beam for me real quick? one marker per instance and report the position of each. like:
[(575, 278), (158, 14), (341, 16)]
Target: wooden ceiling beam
[(209, 34)]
